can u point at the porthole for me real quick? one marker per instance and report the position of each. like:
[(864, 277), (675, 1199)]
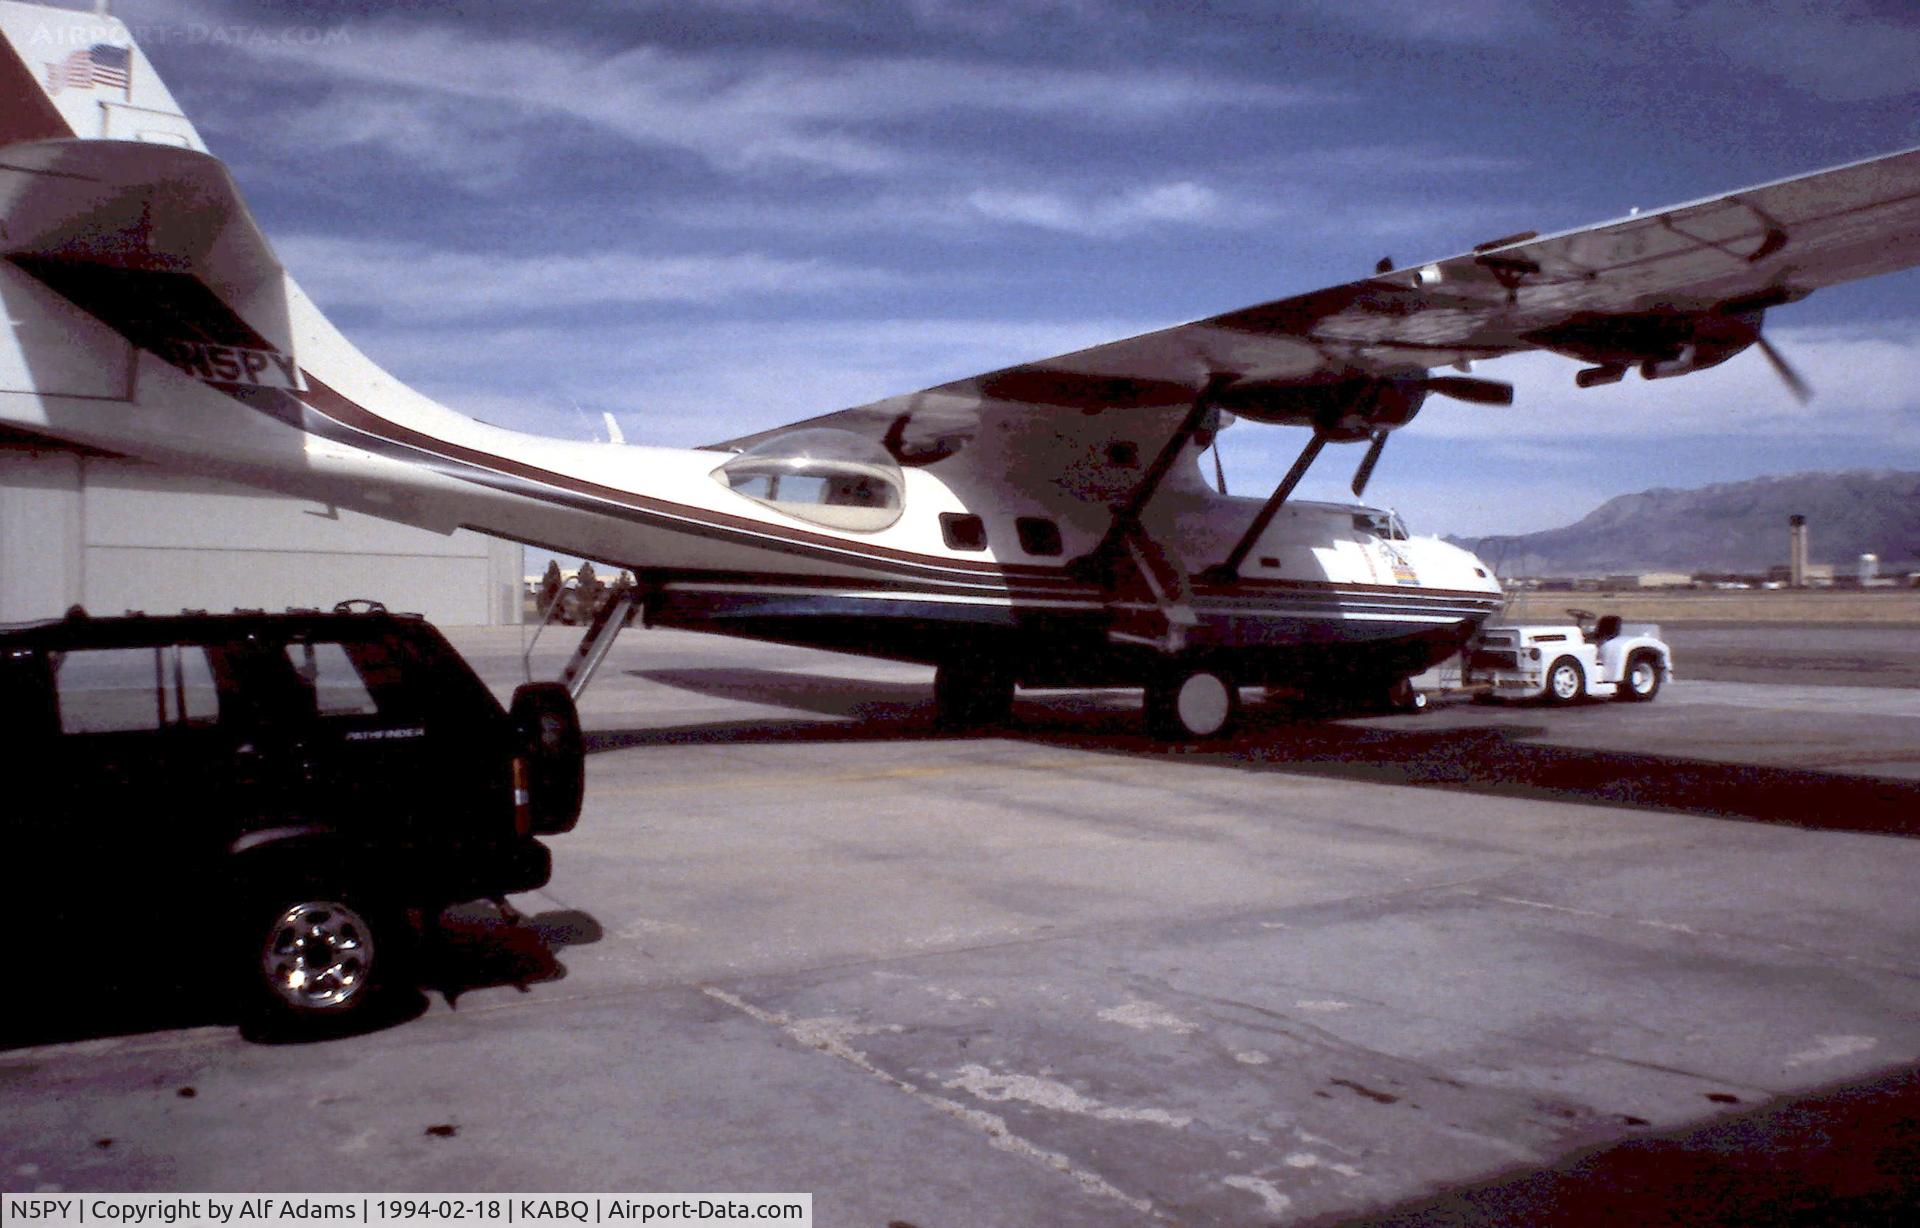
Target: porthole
[(1038, 535), (962, 531)]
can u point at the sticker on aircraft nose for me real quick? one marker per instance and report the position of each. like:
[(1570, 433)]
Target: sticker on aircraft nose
[(233, 364), (1403, 572)]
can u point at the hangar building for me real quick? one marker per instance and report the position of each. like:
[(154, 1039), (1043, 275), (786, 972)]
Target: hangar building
[(113, 534)]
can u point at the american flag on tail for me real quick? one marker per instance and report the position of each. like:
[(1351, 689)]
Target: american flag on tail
[(100, 64)]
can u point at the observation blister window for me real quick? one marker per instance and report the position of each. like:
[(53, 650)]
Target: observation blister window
[(830, 477)]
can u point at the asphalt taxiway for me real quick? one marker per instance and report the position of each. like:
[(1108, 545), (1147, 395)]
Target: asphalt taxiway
[(1496, 964)]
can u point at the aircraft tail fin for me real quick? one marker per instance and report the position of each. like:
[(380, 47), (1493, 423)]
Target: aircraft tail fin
[(70, 73), (79, 73)]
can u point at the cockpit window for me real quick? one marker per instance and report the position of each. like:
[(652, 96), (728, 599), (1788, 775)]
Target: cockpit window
[(1380, 524), (831, 477)]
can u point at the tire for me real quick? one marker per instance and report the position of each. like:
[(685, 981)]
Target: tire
[(546, 729), (1643, 678), (1566, 682), (1191, 704), (969, 695), (317, 956), (1403, 696)]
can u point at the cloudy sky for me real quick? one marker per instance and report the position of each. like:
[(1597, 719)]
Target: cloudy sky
[(712, 216)]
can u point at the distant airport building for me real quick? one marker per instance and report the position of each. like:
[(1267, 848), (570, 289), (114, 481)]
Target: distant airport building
[(79, 528), (1651, 579), (1811, 575)]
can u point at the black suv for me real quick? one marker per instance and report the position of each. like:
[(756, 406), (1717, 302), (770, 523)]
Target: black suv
[(272, 798)]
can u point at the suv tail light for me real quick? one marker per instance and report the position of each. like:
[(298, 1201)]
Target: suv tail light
[(522, 799)]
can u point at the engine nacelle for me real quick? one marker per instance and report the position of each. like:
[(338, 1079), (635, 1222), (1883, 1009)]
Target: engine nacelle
[(1709, 351), (1344, 410), (1662, 344)]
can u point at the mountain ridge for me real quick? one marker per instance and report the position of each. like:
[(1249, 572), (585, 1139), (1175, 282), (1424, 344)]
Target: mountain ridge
[(1734, 527)]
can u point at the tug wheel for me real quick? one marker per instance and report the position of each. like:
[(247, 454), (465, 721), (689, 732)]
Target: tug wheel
[(1642, 681), (1566, 681)]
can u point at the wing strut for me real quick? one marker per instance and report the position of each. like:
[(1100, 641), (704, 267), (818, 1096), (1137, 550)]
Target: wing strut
[(1126, 520), (1227, 571)]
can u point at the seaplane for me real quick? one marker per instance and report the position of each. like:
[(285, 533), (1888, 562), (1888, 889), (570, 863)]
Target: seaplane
[(1049, 524)]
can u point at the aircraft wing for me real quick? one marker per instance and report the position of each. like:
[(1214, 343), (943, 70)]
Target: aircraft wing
[(1626, 291)]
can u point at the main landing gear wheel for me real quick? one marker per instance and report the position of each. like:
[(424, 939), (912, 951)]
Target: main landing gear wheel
[(1642, 682), (971, 696), (1566, 681), (1189, 703)]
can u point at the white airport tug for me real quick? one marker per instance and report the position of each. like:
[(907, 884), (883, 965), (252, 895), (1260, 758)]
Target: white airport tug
[(1591, 657)]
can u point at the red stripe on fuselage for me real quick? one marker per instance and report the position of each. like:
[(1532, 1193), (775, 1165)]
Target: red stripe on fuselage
[(337, 406), (1037, 581)]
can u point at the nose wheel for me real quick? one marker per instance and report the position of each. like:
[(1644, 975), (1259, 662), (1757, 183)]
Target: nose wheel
[(1189, 703)]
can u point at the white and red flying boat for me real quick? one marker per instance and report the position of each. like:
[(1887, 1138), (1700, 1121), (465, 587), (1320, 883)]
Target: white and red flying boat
[(1042, 525)]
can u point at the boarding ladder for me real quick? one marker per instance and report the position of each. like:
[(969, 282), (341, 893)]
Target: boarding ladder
[(615, 615)]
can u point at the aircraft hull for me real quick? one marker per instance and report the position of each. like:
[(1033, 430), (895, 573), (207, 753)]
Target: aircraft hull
[(1309, 638)]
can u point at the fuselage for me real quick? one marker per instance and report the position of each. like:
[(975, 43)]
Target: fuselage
[(980, 553)]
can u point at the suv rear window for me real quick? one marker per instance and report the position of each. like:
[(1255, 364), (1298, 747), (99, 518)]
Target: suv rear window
[(334, 679), (390, 678), (121, 690)]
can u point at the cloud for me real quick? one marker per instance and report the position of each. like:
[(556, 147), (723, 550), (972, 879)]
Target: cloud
[(685, 383), (1447, 21), (1000, 17), (1842, 52), (441, 135), (1125, 213), (409, 281), (751, 110), (1318, 201)]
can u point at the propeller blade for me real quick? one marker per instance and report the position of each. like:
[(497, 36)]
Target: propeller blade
[(1365, 472), (1470, 388), (1802, 391)]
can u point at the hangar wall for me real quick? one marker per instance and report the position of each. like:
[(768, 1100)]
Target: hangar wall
[(113, 535)]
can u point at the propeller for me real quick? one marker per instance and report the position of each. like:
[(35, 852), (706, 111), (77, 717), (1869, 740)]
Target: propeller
[(1365, 472), (1802, 391), (1459, 387)]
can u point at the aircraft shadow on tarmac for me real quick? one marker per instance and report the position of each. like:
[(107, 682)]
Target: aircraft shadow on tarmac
[(475, 947), (1496, 758), (1847, 1153)]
